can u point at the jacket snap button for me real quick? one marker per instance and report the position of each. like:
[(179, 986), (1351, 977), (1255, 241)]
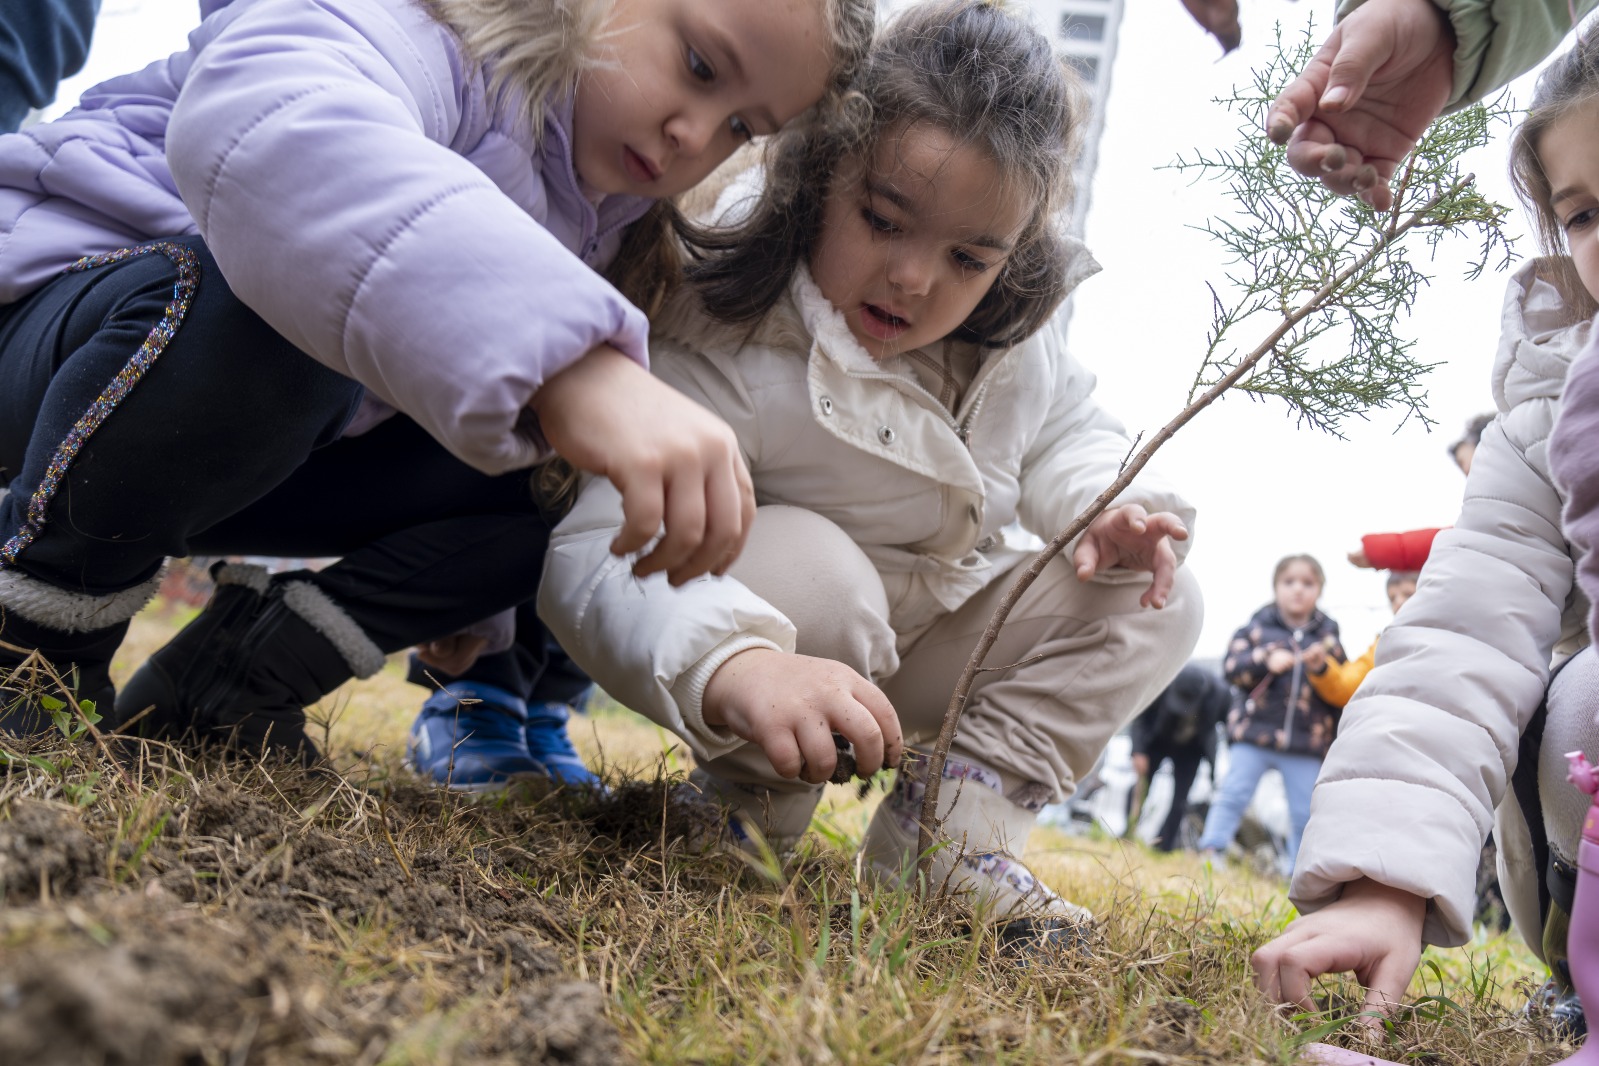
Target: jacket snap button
[(826, 404), (886, 435)]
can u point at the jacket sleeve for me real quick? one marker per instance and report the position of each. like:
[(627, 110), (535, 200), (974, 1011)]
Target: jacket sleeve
[(311, 143), (1574, 461), (1433, 731), (650, 646), (1079, 453), (1398, 551), (1498, 40), (1142, 731), (1340, 680)]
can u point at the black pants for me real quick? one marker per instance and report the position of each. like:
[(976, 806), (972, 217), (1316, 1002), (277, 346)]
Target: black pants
[(535, 668), (1185, 762), (228, 442)]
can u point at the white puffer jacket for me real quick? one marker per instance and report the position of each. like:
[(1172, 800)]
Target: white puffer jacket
[(925, 494), (1427, 745)]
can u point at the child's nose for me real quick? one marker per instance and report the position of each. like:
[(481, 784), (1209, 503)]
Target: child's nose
[(690, 131), (910, 275)]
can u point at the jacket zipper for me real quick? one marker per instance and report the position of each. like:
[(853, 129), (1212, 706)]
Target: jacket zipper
[(1293, 694)]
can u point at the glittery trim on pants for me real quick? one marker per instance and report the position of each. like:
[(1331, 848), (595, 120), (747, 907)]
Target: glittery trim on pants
[(154, 344)]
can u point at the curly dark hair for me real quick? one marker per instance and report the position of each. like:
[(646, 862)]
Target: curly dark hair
[(968, 68)]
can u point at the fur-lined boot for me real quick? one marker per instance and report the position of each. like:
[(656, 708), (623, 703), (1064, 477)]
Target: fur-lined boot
[(242, 673)]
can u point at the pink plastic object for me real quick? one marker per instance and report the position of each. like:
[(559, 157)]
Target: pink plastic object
[(1582, 942), (1327, 1055)]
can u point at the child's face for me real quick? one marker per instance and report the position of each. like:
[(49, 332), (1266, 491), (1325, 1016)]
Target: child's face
[(1399, 592), (682, 83), (911, 243), (1298, 590), (1569, 152)]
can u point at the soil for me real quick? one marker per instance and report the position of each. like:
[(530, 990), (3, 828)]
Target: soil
[(235, 916)]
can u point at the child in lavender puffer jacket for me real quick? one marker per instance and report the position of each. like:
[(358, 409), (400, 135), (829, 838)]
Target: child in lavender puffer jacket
[(220, 277)]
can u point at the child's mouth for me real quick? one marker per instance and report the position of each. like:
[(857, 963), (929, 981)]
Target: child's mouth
[(881, 323)]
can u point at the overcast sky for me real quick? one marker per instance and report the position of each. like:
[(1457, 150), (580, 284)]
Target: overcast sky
[(1264, 487)]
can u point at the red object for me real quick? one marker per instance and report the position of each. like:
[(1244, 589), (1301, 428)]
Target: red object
[(1398, 551)]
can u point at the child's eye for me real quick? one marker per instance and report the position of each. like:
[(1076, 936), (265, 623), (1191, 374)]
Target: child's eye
[(1582, 218), (698, 67), (877, 221), (741, 129), (969, 262)]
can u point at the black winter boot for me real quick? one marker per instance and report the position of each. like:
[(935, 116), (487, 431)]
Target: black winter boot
[(74, 633), (243, 672)]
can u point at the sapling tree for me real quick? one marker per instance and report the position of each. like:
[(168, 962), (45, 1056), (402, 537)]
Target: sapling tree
[(1324, 282)]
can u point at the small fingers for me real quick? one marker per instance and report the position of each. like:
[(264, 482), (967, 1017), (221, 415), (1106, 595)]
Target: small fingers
[(886, 721), (643, 505), (1086, 557), (724, 529), (817, 749), (1165, 568), (783, 751)]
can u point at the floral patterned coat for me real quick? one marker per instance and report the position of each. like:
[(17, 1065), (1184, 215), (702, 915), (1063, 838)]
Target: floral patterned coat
[(1280, 712)]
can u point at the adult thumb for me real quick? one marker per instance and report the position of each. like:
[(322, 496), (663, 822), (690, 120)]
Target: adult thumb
[(1361, 50)]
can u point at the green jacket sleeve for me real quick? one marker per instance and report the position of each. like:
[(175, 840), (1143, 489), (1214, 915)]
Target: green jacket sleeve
[(1498, 40)]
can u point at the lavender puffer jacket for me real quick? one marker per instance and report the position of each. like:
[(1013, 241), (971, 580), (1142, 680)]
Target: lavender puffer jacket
[(361, 190)]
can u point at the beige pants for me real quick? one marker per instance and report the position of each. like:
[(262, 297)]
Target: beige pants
[(1098, 659)]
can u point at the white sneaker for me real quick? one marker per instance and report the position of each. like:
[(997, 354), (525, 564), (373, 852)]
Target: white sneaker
[(983, 834)]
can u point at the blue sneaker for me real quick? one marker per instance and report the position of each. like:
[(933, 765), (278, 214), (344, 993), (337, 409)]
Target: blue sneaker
[(472, 746), (550, 747)]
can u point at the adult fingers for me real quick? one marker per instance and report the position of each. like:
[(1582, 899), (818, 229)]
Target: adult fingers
[(1295, 104), (1315, 152), (1363, 47), (643, 493)]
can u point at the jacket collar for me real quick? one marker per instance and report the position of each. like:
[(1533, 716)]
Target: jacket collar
[(558, 168)]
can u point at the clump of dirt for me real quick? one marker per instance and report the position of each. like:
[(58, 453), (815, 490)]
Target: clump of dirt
[(561, 1021), (44, 852)]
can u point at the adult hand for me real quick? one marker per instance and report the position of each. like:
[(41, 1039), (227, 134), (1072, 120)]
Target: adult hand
[(1372, 929), (1128, 536), (1385, 72), (673, 461), (454, 654), (1279, 661), (1219, 18), (791, 705)]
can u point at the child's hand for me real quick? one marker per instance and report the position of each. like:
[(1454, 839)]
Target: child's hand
[(454, 654), (1279, 661), (1315, 658), (1129, 536), (673, 461), (1372, 929), (1358, 558), (791, 705)]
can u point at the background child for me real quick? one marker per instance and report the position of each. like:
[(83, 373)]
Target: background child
[(398, 206), (1181, 726), (1281, 724), (1336, 682), (1460, 715), (881, 343)]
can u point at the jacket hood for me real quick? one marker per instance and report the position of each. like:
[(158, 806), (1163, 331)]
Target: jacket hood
[(1269, 615), (1537, 341)]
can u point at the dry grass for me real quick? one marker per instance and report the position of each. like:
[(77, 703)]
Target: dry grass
[(225, 913)]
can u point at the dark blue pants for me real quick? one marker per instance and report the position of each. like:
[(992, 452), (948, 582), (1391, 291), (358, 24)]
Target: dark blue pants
[(535, 668), (41, 42), (229, 443)]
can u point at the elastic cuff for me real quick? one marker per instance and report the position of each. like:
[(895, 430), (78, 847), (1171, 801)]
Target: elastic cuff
[(73, 612), (689, 690), (325, 616)]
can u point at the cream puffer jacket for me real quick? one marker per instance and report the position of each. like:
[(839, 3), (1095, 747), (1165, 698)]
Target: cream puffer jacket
[(1427, 745), (925, 494)]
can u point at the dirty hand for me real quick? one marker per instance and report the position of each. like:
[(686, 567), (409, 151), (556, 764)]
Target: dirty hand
[(1128, 536), (1385, 72), (1279, 661), (452, 655), (791, 705), (1372, 929), (672, 461)]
